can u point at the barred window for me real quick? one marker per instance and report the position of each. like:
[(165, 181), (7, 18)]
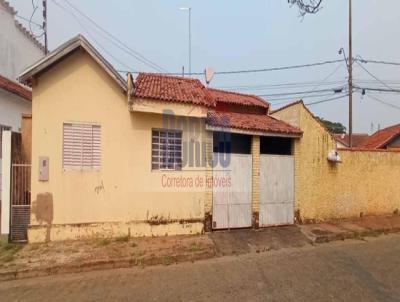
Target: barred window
[(81, 146), (166, 150)]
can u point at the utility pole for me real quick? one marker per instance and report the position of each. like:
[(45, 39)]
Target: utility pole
[(46, 48), (350, 76)]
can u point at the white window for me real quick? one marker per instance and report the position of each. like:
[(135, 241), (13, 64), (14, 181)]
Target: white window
[(166, 150), (81, 146)]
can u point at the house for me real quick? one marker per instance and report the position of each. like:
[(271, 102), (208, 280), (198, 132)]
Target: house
[(342, 140), (18, 47), (388, 138), (155, 156)]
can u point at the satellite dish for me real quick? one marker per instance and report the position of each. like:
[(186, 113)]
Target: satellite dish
[(209, 73)]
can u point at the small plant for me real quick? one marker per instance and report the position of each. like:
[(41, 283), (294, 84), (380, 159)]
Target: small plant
[(133, 244), (122, 239), (195, 247), (104, 242)]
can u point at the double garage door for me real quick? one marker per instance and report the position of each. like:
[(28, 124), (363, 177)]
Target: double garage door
[(232, 191)]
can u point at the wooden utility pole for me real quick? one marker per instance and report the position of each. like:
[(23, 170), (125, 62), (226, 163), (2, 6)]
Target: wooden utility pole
[(350, 76), (46, 48)]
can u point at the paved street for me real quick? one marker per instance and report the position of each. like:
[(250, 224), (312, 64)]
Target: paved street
[(341, 271)]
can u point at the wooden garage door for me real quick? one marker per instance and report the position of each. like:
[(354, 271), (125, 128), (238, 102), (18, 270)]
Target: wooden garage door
[(232, 203), (276, 190)]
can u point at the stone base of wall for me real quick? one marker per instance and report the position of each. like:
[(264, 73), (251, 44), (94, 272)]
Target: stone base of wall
[(61, 232)]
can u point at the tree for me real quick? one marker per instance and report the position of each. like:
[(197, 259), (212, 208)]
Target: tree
[(333, 127), (307, 6)]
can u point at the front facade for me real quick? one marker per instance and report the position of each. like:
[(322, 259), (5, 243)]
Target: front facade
[(169, 157)]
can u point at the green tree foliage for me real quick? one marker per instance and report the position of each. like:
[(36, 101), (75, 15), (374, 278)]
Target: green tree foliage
[(333, 127)]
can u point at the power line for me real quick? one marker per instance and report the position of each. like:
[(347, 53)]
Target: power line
[(372, 75), (299, 97), (255, 70), (379, 62), (27, 20), (327, 100), (119, 43), (89, 34), (325, 79), (339, 89), (383, 102)]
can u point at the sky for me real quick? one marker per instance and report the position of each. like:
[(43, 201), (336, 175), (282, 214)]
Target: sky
[(244, 35)]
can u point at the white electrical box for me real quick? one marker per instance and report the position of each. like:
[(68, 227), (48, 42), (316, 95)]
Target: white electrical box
[(43, 168)]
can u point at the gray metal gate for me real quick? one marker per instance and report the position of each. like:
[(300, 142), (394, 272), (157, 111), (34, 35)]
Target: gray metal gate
[(20, 202), (232, 192), (276, 190)]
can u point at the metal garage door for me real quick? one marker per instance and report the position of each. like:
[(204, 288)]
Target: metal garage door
[(232, 202), (276, 190)]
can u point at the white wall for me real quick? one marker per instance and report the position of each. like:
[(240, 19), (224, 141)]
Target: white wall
[(17, 51), (6, 181), (11, 109)]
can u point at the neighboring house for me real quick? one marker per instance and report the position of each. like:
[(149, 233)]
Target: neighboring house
[(15, 100), (388, 138), (18, 47), (342, 140), (168, 157)]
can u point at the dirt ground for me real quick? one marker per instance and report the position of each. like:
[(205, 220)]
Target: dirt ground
[(138, 250)]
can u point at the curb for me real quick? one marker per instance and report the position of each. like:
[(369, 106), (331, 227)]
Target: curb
[(103, 265), (326, 238)]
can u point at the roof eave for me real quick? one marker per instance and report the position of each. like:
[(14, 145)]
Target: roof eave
[(64, 50), (253, 131)]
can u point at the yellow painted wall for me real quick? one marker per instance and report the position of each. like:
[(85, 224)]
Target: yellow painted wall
[(365, 182), (125, 190)]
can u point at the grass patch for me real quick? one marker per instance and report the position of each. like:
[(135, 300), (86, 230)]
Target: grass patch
[(8, 251), (104, 242), (122, 239), (194, 247)]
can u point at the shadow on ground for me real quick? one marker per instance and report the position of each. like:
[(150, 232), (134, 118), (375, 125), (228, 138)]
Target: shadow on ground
[(236, 242)]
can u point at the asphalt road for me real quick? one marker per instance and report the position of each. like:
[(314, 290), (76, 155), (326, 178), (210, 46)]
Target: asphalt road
[(344, 271)]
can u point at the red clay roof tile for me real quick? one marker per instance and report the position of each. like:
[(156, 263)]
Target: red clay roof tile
[(230, 97), (357, 138), (381, 138), (253, 122), (169, 88), (15, 88)]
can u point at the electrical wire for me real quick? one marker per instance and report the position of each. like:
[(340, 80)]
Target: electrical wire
[(379, 62), (118, 42), (34, 7), (302, 92), (383, 102), (327, 100), (245, 71), (372, 75), (89, 34), (28, 20)]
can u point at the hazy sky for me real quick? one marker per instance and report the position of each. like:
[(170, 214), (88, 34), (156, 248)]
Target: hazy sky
[(237, 35)]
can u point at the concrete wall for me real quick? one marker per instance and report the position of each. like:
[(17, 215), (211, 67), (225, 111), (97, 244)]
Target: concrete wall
[(11, 109), (125, 196), (366, 182), (17, 51)]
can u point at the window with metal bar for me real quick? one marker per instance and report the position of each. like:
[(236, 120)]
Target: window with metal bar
[(81, 146), (166, 150)]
